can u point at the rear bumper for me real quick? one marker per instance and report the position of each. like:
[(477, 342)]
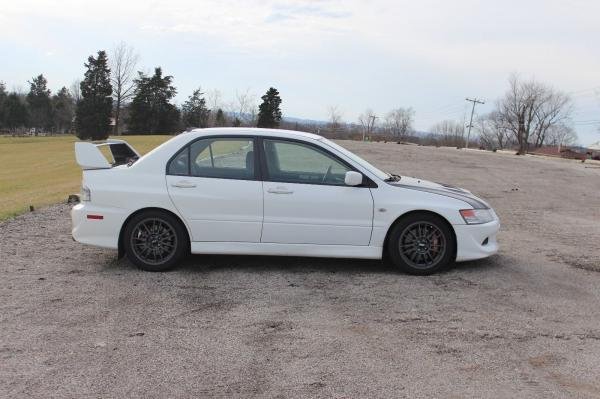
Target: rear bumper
[(471, 240), (97, 225)]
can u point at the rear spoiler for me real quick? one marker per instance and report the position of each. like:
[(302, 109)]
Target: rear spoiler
[(89, 156)]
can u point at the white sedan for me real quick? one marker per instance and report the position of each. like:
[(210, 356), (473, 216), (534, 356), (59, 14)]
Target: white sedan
[(271, 192)]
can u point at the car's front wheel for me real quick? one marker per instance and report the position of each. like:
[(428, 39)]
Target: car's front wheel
[(155, 241), (421, 243)]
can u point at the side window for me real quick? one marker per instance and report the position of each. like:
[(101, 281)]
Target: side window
[(300, 163), (225, 158), (180, 164)]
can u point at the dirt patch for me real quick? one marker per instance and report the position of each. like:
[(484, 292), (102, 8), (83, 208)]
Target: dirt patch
[(78, 323)]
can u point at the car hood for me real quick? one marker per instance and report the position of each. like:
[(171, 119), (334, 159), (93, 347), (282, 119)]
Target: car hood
[(446, 190)]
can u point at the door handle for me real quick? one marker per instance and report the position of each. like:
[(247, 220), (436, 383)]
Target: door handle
[(279, 190), (183, 184)]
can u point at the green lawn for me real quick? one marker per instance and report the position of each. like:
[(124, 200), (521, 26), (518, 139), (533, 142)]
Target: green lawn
[(40, 171)]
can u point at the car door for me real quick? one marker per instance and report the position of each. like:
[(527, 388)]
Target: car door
[(214, 185), (306, 200)]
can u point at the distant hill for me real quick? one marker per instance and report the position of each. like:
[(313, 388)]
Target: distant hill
[(291, 119)]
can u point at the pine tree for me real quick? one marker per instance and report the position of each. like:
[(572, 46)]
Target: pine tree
[(237, 122), (63, 106), (194, 111), (269, 113), (92, 116), (16, 114), (220, 119), (40, 105), (150, 111), (3, 96)]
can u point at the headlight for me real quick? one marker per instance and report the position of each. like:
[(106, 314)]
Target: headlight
[(477, 216), (86, 194)]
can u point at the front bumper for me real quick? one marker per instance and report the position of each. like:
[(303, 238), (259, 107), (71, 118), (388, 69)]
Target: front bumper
[(476, 241), (102, 232)]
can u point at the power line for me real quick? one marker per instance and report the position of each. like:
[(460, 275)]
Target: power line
[(443, 111), (586, 121), (584, 90), (445, 107), (441, 117)]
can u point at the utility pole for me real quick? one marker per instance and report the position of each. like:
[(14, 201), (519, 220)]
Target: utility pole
[(475, 102)]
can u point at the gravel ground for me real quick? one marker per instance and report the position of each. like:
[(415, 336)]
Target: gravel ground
[(525, 323)]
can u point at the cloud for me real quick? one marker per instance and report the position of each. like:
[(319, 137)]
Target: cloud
[(380, 53), (278, 17), (310, 9)]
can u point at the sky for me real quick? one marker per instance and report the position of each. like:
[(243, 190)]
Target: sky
[(354, 54)]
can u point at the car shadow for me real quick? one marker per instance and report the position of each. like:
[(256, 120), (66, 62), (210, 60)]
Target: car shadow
[(494, 262), (297, 264), (258, 264)]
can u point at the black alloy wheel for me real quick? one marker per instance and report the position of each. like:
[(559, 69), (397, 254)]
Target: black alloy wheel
[(421, 244), (155, 241)]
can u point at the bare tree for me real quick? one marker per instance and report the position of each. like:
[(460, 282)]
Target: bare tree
[(554, 110), (399, 121), (123, 62), (214, 100), (449, 133), (529, 109), (19, 90), (560, 135), (493, 133), (487, 137), (75, 90), (245, 107), (367, 122), (504, 136), (335, 119), (516, 109)]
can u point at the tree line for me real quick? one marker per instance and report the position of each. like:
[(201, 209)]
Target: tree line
[(529, 115), (113, 98), (37, 109)]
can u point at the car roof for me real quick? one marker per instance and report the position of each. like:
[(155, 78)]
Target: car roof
[(250, 131)]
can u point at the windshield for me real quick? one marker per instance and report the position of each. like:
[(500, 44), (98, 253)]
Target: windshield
[(380, 174)]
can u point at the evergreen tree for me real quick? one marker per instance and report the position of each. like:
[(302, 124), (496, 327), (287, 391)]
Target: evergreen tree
[(220, 119), (269, 113), (237, 122), (194, 111), (40, 105), (92, 115), (16, 114), (63, 106), (3, 96), (150, 111)]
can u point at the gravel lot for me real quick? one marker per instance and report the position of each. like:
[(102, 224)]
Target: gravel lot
[(525, 323)]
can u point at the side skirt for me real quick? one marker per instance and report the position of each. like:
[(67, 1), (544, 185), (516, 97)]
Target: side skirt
[(310, 250)]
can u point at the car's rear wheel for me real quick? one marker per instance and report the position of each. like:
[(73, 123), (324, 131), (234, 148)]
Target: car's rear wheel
[(421, 244), (155, 241)]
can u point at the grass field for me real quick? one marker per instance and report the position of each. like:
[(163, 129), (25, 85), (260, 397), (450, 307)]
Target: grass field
[(40, 171)]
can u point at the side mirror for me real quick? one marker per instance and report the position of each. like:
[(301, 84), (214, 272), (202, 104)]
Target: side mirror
[(353, 178)]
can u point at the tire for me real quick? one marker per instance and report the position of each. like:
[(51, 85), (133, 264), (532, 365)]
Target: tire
[(421, 244), (155, 241)]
